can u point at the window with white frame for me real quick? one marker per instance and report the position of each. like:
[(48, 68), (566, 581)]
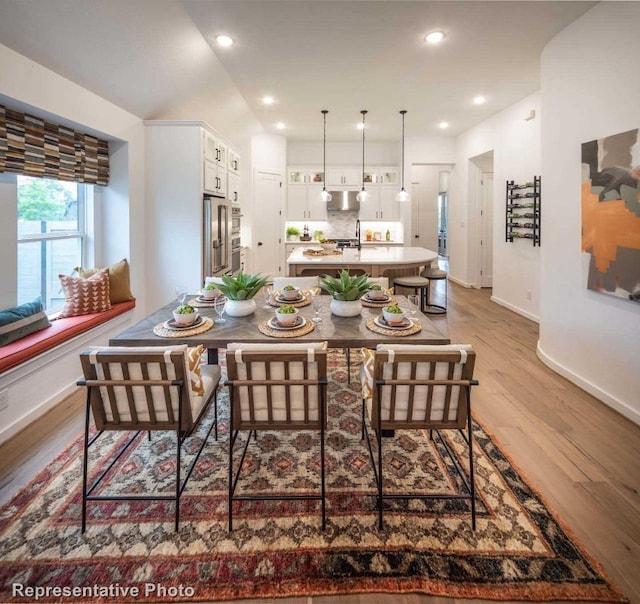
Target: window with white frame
[(52, 236)]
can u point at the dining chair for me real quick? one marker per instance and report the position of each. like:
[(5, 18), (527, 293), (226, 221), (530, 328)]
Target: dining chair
[(145, 389), (276, 387), (310, 283), (413, 387)]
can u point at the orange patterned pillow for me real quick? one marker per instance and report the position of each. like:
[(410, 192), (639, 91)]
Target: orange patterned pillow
[(85, 296), (194, 357)]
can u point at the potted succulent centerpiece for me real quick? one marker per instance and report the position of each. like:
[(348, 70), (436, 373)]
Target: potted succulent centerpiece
[(240, 291), (345, 291)]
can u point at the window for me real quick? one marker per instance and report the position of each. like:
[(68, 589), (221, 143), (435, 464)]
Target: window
[(51, 236)]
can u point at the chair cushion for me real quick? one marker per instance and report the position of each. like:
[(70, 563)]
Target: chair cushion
[(22, 320), (411, 281), (119, 280), (85, 296)]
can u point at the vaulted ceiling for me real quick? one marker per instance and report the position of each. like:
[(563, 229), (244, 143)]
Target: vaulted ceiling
[(159, 59)]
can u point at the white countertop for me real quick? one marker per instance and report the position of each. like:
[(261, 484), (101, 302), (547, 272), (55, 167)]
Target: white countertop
[(367, 255)]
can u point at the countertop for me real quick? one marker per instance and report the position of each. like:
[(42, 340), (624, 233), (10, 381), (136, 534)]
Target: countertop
[(367, 255)]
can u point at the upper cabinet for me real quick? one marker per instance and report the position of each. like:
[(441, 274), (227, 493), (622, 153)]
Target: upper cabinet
[(234, 161), (215, 159), (305, 176), (387, 176), (343, 177)]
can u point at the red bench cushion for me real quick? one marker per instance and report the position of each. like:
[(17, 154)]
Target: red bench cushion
[(59, 331)]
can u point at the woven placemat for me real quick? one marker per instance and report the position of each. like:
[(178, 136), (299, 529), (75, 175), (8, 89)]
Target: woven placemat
[(306, 294), (380, 304), (285, 333), (163, 332), (415, 328), (202, 304)]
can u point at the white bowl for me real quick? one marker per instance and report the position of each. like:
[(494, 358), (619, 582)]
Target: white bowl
[(392, 318), (210, 294), (287, 318), (185, 319), (290, 294), (377, 294), (328, 247)]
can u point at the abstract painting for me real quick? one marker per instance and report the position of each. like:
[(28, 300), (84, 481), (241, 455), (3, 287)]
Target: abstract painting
[(611, 214)]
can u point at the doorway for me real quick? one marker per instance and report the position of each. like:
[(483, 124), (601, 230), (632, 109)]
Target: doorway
[(268, 225), (484, 187)]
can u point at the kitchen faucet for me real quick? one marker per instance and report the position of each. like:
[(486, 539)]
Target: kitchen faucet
[(358, 233)]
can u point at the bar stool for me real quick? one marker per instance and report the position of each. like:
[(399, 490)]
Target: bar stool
[(419, 285), (435, 274)]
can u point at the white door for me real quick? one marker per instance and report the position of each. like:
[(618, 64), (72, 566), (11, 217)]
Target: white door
[(267, 225), (415, 240), (486, 242)]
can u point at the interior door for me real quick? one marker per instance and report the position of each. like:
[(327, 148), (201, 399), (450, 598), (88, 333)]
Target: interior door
[(268, 226), (486, 248)]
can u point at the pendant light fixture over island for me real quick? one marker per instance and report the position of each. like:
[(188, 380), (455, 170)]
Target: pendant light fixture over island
[(402, 194), (324, 195), (363, 195)]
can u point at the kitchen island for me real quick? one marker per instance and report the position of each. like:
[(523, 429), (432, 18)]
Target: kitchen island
[(375, 261)]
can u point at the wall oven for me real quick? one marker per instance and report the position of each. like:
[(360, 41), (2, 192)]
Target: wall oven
[(236, 248), (236, 215)]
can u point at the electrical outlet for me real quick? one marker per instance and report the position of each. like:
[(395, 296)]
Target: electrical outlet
[(528, 294), (4, 399)]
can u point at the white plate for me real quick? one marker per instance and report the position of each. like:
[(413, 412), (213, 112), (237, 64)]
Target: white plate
[(282, 300), (170, 324), (273, 323), (380, 322), (201, 298), (377, 300)]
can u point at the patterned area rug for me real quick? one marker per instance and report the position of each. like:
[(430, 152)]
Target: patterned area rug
[(130, 552)]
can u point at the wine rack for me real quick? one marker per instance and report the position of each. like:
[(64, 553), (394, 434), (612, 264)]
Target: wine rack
[(522, 216)]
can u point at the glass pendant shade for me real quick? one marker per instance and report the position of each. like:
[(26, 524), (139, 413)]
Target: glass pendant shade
[(363, 195), (402, 194), (325, 195)]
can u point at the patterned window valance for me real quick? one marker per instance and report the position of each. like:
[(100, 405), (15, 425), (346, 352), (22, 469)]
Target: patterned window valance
[(34, 147)]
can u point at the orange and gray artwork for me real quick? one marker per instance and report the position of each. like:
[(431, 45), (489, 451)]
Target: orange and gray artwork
[(611, 214)]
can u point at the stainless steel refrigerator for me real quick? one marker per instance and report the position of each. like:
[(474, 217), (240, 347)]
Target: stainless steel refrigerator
[(217, 237)]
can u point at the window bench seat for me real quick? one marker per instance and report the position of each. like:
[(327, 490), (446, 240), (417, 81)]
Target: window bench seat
[(59, 331)]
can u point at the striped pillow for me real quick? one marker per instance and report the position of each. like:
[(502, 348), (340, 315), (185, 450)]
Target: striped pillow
[(85, 296), (20, 321)]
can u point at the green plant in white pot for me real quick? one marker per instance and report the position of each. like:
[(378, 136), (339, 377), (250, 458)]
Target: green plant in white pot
[(345, 291), (293, 233), (240, 291)]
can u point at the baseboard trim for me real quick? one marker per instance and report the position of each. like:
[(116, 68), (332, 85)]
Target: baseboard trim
[(516, 309), (462, 283), (603, 396)]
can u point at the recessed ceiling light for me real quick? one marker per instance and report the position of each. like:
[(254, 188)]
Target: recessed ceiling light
[(268, 100), (280, 126), (479, 100), (443, 125), (224, 41), (435, 37)]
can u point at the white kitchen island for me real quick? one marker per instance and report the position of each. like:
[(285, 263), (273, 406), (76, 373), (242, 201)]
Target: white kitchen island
[(376, 261)]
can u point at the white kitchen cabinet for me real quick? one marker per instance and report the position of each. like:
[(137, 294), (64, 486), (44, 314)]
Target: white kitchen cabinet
[(387, 176), (234, 161), (304, 203), (304, 176), (214, 149), (382, 204), (233, 187), (344, 177), (214, 178)]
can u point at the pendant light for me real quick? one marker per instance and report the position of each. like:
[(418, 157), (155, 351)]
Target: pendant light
[(325, 195), (402, 194), (363, 195)]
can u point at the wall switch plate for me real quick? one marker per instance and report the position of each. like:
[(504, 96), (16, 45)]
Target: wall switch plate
[(4, 399)]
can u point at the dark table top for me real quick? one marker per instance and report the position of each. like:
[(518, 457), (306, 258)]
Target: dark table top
[(339, 332)]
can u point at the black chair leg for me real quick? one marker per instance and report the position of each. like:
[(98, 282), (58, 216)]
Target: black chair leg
[(85, 464)]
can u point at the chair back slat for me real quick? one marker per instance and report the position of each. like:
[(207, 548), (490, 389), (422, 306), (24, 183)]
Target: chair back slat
[(138, 390), (422, 389), (282, 390)]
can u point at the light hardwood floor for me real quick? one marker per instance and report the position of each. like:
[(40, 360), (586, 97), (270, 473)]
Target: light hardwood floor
[(582, 456)]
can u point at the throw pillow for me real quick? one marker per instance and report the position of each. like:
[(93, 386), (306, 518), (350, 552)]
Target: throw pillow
[(20, 321), (119, 285), (85, 296), (194, 359)]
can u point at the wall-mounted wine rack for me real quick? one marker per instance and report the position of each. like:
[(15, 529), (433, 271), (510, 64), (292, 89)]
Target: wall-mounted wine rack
[(522, 216)]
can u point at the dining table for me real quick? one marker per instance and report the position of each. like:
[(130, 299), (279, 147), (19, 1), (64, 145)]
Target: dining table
[(361, 331)]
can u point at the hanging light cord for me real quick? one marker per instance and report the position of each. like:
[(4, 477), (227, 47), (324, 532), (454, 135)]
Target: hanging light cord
[(403, 112), (324, 151), (364, 112)]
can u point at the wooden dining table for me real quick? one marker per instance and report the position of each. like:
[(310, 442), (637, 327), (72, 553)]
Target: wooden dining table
[(338, 332)]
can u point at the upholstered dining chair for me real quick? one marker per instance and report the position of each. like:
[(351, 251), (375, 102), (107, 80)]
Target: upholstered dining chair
[(145, 389), (310, 283), (413, 387), (276, 387)]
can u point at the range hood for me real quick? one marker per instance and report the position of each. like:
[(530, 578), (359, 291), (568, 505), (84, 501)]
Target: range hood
[(343, 201)]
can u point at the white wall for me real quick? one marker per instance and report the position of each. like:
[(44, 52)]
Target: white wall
[(309, 153), (590, 89), (516, 146), (31, 87)]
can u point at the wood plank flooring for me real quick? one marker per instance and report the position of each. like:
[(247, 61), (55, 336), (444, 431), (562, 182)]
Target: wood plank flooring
[(582, 456)]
